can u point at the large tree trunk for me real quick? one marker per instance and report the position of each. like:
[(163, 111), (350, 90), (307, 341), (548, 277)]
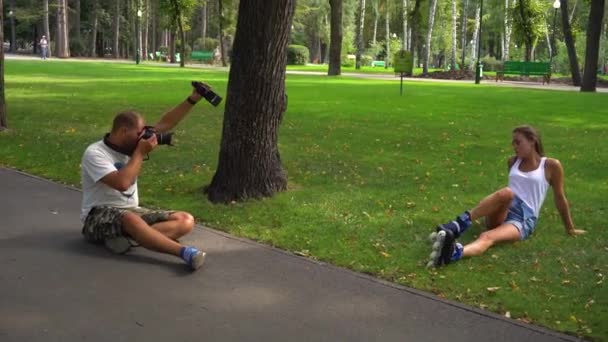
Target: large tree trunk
[(388, 35), (335, 45), (508, 30), (594, 33), (249, 163), (172, 46), (182, 35), (116, 29), (475, 39), (574, 68), (454, 39), (62, 41), (360, 24), (93, 42), (3, 119), (45, 23)]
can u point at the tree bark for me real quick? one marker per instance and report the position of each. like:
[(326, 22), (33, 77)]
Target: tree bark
[(62, 41), (376, 15), (475, 37), (464, 33), (3, 115), (146, 30), (249, 163), (454, 39), (360, 24), (404, 43), (387, 30), (335, 47), (116, 29), (594, 33), (93, 42), (574, 68), (172, 46), (429, 36), (45, 23), (414, 19)]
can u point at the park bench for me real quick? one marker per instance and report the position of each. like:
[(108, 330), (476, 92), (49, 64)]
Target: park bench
[(525, 69), (378, 63), (202, 56)]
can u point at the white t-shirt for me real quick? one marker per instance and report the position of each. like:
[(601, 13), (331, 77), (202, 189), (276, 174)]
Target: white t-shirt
[(99, 160)]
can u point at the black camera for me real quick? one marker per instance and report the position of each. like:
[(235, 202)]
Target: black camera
[(161, 138), (207, 93)]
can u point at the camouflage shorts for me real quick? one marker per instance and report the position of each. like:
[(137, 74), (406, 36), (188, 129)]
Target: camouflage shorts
[(106, 222)]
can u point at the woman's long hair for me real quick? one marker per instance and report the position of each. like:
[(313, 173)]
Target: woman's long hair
[(533, 135)]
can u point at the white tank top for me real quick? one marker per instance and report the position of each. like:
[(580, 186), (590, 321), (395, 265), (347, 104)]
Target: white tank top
[(531, 186)]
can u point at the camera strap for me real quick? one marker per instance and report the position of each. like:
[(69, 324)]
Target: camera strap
[(106, 141)]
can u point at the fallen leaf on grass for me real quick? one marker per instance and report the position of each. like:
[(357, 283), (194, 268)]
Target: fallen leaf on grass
[(493, 289)]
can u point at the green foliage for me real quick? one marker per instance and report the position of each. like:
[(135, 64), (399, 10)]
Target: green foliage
[(297, 55), (206, 44), (533, 24), (490, 63), (78, 47)]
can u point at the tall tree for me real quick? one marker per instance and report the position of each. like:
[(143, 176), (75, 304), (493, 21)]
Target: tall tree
[(116, 29), (182, 35), (376, 17), (508, 30), (12, 13), (569, 39), (335, 45), (475, 39), (62, 41), (93, 23), (429, 36), (360, 25), (221, 32), (388, 33), (415, 20), (3, 119), (45, 24), (404, 43), (454, 40), (249, 163), (594, 33), (463, 44)]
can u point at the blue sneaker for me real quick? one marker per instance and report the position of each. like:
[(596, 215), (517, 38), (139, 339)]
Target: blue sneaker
[(193, 257)]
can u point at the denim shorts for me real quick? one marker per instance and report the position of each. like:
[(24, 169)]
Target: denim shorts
[(522, 217)]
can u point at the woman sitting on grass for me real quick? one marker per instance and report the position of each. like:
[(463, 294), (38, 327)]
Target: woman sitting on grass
[(511, 213)]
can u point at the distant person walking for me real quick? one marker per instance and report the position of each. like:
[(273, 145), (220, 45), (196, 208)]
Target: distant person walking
[(44, 47)]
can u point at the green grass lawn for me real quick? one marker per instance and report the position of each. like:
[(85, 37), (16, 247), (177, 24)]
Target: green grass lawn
[(370, 174), (363, 70)]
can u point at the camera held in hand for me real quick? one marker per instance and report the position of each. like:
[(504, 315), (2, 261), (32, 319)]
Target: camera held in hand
[(161, 138), (207, 93)]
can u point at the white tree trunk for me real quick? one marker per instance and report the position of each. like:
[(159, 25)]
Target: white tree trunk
[(429, 36), (508, 30), (404, 43), (388, 37), (376, 15), (454, 40), (475, 37)]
